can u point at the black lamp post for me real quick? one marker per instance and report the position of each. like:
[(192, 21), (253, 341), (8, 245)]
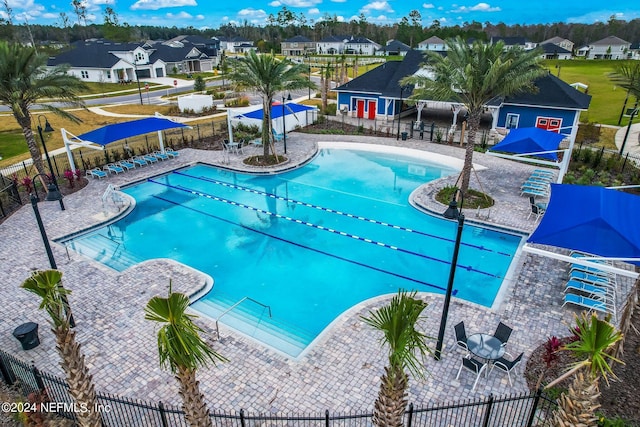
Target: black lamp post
[(135, 66), (284, 127), (309, 58), (399, 112), (52, 194), (452, 212), (49, 129)]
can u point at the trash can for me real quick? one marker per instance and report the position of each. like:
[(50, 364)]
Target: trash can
[(404, 136), (27, 334)]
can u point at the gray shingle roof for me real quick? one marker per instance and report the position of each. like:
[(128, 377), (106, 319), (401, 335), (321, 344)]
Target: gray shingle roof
[(553, 48), (299, 39), (92, 53)]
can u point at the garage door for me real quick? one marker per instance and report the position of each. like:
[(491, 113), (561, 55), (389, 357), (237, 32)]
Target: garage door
[(159, 72)]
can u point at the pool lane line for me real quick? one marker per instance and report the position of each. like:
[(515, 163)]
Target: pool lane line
[(361, 264), (322, 208), (318, 227)]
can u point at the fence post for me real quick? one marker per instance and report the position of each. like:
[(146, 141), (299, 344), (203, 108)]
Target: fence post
[(38, 378), (326, 418), (243, 422), (625, 162), (26, 172), (487, 415), (198, 129), (55, 166), (534, 407), (410, 415), (163, 415)]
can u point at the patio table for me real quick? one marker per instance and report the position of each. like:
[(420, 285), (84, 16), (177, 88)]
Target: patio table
[(485, 346)]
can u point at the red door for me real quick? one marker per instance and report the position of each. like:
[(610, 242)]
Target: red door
[(372, 110), (360, 108)]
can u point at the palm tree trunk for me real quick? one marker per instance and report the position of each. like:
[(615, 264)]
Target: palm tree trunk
[(267, 135), (577, 407), (473, 123), (80, 381), (34, 150), (196, 411), (392, 399)]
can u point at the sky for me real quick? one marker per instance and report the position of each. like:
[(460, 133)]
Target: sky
[(214, 13)]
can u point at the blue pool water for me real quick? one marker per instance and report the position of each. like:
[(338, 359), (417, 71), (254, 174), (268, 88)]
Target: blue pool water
[(304, 245)]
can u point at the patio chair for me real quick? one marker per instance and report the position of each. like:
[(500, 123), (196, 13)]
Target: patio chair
[(594, 279), (277, 136), (160, 155), (543, 205), (474, 366), (138, 161), (126, 164), (507, 366), (461, 336), (536, 192), (537, 211), (150, 158), (503, 332), (171, 152)]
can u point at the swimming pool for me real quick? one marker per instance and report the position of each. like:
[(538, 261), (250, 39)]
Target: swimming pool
[(290, 252)]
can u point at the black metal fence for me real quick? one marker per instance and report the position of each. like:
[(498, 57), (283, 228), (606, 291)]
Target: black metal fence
[(527, 409)]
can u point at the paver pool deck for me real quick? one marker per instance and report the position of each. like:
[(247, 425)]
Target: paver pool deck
[(340, 373)]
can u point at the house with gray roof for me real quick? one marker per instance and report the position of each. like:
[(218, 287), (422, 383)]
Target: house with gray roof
[(100, 60), (297, 46), (554, 51), (235, 44), (560, 41), (611, 47), (511, 42), (393, 47), (350, 45), (433, 43)]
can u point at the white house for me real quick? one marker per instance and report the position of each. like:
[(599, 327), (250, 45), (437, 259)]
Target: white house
[(610, 47), (434, 43), (560, 41)]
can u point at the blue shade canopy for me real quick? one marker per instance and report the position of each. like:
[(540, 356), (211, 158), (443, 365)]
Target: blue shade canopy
[(595, 220), (276, 111), (118, 131), (530, 140)]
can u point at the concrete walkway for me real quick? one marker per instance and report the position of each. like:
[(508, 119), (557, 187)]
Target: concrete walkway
[(632, 144), (342, 370)]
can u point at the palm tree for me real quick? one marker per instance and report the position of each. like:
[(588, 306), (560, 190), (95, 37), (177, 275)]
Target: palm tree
[(596, 339), (267, 76), (407, 347), (627, 76), (47, 285), (183, 351), (25, 81), (472, 75)]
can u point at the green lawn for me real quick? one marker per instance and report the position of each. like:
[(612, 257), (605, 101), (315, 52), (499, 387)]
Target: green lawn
[(12, 144), (606, 99)]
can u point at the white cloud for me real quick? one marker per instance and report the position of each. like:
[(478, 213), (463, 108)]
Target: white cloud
[(252, 14), (180, 15), (480, 7), (161, 4), (383, 6), (313, 11), (275, 3), (339, 1), (428, 5)]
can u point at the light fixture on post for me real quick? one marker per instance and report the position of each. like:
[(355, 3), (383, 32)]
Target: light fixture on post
[(284, 127), (52, 195), (135, 66), (49, 129), (452, 212)]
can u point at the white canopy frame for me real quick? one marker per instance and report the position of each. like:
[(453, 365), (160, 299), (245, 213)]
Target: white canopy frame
[(586, 261), (71, 141)]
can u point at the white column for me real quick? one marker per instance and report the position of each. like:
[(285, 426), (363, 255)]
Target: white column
[(67, 148)]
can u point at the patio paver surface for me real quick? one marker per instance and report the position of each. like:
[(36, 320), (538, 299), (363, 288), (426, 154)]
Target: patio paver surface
[(340, 373)]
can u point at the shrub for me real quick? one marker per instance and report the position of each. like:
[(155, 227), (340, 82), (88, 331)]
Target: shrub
[(199, 85)]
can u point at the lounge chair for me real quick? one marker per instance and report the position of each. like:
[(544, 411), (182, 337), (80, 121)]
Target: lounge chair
[(150, 158), (96, 173), (542, 172), (586, 302), (138, 161), (594, 279), (530, 191), (537, 211), (112, 168), (160, 155), (126, 164), (541, 205), (277, 136), (594, 291), (171, 152)]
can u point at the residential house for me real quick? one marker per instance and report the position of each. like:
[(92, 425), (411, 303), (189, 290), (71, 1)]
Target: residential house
[(360, 46), (377, 94), (634, 51), (393, 47), (610, 47), (235, 44), (433, 43), (331, 45), (582, 51), (100, 60), (297, 46), (559, 41), (511, 42), (554, 51)]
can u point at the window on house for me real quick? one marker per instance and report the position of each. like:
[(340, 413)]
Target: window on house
[(84, 74), (512, 121), (108, 74)]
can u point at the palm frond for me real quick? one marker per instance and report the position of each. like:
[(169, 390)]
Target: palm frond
[(46, 285)]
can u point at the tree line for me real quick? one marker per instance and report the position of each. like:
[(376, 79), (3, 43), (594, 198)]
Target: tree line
[(285, 24)]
